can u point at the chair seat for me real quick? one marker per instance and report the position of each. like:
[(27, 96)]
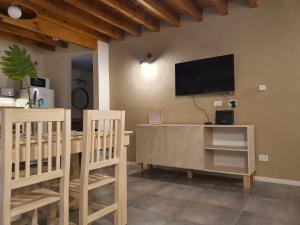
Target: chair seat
[(26, 202), (95, 181)]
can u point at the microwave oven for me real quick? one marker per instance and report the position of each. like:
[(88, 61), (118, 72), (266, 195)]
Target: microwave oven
[(39, 82)]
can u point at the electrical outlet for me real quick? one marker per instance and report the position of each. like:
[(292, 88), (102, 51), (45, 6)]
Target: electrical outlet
[(218, 103), (263, 158), (262, 87)]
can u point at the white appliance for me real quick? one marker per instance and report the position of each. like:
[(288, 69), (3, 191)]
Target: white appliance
[(43, 94), (40, 82)]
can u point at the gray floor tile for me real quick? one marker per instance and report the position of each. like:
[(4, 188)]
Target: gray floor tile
[(108, 220), (133, 198), (253, 219), (181, 191), (161, 175), (162, 197), (103, 195), (203, 213), (163, 205), (278, 191), (146, 186), (182, 222), (200, 181), (222, 197), (132, 168), (231, 184), (103, 222), (131, 179), (142, 217), (274, 208)]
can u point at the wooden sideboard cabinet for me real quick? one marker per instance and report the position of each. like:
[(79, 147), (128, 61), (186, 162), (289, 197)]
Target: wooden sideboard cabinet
[(228, 149)]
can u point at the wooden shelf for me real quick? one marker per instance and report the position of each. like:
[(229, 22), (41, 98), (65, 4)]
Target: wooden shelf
[(228, 170), (228, 126), (227, 148)]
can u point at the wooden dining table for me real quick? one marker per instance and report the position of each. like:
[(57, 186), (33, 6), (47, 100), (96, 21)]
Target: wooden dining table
[(76, 148)]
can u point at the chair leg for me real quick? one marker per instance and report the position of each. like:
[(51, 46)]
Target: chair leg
[(34, 217), (51, 219), (90, 202), (118, 197)]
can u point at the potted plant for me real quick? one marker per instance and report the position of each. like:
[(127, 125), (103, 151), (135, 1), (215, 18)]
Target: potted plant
[(17, 65)]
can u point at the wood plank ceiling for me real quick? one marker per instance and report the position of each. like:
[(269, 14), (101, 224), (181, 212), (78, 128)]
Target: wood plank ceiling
[(55, 23)]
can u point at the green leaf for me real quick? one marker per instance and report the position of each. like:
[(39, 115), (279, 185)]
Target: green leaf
[(17, 64)]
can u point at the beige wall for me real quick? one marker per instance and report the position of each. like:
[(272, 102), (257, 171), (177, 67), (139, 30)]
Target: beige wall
[(266, 44), (58, 69), (37, 55)]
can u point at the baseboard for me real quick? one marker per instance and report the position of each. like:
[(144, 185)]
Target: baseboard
[(278, 181)]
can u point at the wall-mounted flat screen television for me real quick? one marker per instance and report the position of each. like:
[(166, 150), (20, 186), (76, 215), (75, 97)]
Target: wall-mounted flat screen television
[(211, 75)]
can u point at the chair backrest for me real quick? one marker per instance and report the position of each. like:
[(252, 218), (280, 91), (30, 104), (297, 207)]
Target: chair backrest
[(43, 152), (103, 138)]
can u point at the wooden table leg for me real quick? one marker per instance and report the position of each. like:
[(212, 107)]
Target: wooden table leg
[(190, 174), (140, 167), (75, 166), (248, 181), (124, 188)]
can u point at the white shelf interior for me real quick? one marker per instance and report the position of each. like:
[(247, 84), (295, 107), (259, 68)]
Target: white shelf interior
[(229, 136), (226, 150)]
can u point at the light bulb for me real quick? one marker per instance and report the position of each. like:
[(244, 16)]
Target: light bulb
[(14, 12)]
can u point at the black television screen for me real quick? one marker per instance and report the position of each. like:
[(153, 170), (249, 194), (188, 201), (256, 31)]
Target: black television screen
[(205, 76)]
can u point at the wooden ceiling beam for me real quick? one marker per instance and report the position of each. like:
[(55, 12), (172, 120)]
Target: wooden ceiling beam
[(45, 27), (190, 8), (160, 10), (115, 20), (25, 41), (66, 10), (253, 3), (221, 6), (134, 13), (65, 22), (31, 35)]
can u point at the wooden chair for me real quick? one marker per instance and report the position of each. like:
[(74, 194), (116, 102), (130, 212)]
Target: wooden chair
[(103, 147), (46, 156)]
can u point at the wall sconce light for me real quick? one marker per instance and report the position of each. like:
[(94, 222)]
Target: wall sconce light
[(147, 59)]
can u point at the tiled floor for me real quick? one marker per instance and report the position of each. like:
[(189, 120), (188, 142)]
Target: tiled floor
[(161, 197)]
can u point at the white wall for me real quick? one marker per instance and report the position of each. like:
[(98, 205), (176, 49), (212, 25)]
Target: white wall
[(101, 77)]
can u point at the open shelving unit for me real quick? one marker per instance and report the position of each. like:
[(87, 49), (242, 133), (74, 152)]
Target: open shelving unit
[(229, 149), (226, 149)]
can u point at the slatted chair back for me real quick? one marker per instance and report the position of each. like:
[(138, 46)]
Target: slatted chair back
[(31, 154), (103, 137), (103, 147)]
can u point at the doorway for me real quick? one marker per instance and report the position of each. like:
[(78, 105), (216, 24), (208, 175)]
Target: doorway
[(81, 88)]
